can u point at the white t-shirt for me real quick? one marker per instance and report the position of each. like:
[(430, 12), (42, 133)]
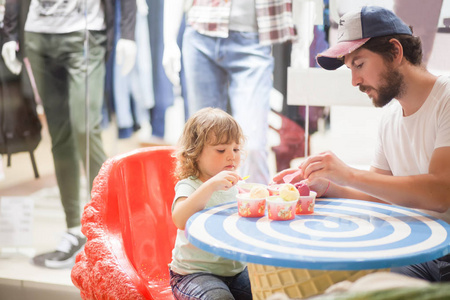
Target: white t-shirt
[(188, 259), (59, 16), (243, 16), (405, 144)]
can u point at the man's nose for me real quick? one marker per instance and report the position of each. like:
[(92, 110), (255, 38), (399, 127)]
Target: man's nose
[(356, 79)]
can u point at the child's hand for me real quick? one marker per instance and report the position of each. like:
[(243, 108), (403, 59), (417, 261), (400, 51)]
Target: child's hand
[(224, 180)]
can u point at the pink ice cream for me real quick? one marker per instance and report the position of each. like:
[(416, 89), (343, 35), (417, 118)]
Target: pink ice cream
[(302, 188)]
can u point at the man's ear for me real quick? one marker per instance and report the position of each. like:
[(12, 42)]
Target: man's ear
[(397, 50)]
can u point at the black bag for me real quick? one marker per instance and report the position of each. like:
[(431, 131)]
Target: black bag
[(20, 127)]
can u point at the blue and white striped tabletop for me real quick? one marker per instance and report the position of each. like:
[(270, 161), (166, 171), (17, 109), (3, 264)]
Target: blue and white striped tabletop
[(342, 234)]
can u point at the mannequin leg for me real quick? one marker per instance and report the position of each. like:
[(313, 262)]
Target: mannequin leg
[(250, 66), (206, 81), (51, 80), (77, 102), (59, 67)]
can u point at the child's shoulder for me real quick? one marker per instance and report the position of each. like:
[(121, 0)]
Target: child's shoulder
[(190, 181)]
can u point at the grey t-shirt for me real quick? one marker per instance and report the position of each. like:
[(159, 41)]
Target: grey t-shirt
[(58, 16), (188, 259)]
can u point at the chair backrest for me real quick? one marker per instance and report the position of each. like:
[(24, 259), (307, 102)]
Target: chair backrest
[(129, 229)]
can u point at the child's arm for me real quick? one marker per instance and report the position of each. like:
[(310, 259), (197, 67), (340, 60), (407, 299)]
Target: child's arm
[(185, 207)]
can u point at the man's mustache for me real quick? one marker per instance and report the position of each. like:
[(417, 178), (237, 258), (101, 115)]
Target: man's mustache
[(363, 88)]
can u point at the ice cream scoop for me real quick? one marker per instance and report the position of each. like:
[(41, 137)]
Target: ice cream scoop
[(302, 188), (258, 192), (289, 192)]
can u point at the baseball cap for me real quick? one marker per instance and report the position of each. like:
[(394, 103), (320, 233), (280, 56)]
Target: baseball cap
[(356, 28)]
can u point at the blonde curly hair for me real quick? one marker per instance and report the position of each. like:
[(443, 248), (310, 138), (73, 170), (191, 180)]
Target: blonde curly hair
[(208, 126)]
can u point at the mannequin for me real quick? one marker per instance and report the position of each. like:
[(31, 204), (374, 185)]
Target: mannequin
[(248, 93), (54, 39)]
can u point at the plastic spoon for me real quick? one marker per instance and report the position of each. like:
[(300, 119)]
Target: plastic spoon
[(289, 177)]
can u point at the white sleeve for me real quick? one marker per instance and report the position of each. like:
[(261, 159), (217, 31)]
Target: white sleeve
[(443, 130)]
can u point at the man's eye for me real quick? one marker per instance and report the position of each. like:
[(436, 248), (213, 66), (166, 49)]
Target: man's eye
[(359, 66)]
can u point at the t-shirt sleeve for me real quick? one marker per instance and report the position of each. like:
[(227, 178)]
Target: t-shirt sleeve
[(443, 131), (182, 189)]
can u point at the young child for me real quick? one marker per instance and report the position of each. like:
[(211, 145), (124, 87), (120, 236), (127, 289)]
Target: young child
[(208, 154)]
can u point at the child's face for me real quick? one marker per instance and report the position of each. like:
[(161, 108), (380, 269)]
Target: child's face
[(218, 158)]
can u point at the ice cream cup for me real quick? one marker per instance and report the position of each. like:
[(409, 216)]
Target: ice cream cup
[(274, 189), (305, 204), (280, 210), (245, 187), (250, 207)]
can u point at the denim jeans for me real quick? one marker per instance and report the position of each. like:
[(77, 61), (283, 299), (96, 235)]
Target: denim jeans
[(236, 69), (162, 87), (437, 270), (207, 286)]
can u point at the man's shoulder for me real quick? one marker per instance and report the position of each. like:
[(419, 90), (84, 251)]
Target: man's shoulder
[(441, 89), (444, 82)]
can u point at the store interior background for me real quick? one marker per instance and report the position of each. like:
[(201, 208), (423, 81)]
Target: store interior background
[(349, 133)]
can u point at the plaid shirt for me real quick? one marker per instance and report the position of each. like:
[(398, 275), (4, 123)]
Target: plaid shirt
[(274, 19)]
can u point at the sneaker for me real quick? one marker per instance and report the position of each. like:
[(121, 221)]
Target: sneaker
[(64, 255)]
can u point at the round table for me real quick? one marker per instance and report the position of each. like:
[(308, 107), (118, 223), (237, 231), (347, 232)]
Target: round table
[(341, 234)]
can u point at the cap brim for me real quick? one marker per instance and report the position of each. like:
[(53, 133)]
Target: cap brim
[(331, 59)]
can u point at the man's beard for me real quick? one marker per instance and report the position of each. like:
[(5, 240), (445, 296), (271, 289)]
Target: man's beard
[(393, 87)]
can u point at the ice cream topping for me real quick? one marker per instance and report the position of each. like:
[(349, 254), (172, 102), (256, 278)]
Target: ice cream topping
[(288, 192), (258, 192), (302, 188)]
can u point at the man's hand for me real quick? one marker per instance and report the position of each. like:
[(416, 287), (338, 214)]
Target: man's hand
[(126, 55), (9, 56), (327, 165)]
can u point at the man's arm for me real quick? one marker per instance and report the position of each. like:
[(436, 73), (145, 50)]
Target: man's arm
[(426, 191)]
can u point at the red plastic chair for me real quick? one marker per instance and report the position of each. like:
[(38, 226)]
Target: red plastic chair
[(129, 228)]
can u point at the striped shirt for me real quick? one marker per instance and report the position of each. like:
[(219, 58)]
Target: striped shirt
[(274, 19)]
